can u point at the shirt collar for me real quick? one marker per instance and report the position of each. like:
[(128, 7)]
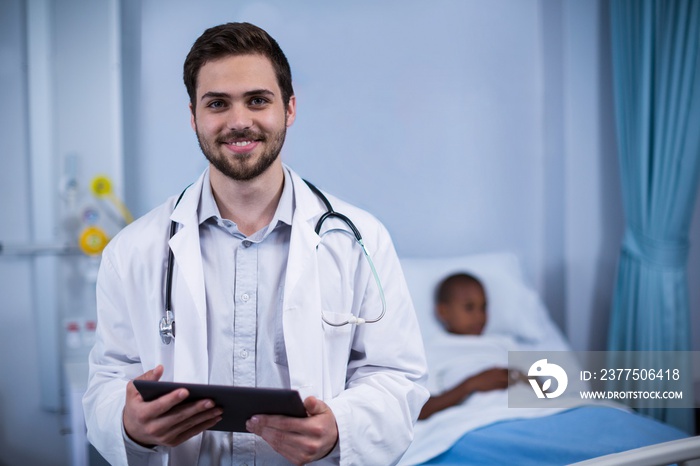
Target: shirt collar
[(283, 214)]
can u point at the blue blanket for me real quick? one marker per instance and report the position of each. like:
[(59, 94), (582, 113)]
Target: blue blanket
[(567, 437)]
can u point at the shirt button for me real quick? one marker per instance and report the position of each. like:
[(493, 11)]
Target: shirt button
[(245, 297), (244, 354), (246, 243)]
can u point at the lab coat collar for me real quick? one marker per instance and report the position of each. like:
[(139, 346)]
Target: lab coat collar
[(308, 207), (185, 211), (207, 207)]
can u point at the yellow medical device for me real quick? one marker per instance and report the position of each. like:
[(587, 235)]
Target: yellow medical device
[(93, 238), (102, 188)]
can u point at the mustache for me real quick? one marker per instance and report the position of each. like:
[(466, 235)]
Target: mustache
[(241, 134)]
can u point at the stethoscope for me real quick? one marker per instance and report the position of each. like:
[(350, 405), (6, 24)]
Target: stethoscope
[(167, 322)]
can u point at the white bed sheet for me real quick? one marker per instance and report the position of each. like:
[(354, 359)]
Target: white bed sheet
[(450, 361), (517, 320)]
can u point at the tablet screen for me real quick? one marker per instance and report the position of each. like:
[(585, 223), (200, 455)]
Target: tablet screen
[(239, 403)]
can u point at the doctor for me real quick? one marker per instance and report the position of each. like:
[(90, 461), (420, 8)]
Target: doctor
[(252, 285)]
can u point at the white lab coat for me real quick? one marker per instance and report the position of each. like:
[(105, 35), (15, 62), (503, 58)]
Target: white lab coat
[(371, 376)]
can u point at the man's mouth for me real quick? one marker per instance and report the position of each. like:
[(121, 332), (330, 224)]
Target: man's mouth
[(241, 146), (241, 138), (240, 143)]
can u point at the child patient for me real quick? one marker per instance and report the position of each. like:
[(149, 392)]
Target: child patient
[(460, 305)]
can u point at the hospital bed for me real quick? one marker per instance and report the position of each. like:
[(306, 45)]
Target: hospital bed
[(483, 430)]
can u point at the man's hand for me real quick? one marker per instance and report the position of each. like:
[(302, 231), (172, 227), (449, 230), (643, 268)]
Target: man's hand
[(300, 440), (165, 421)]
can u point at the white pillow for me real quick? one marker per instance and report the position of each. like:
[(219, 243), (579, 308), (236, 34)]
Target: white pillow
[(513, 308)]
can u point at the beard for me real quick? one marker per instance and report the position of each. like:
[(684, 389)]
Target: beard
[(242, 167)]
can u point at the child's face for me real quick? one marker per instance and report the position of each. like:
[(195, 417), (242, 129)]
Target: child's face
[(465, 312)]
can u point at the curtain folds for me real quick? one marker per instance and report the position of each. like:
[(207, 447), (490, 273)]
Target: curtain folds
[(656, 67)]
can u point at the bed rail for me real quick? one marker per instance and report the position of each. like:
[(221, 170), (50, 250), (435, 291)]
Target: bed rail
[(684, 452)]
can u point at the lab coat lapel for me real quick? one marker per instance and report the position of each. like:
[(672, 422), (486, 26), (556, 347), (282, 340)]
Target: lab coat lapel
[(189, 299), (303, 330), (189, 307)]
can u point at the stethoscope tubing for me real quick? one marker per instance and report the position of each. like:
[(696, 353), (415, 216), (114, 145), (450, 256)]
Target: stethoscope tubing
[(167, 322)]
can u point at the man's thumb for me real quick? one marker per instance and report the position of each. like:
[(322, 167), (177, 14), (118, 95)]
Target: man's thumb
[(314, 406)]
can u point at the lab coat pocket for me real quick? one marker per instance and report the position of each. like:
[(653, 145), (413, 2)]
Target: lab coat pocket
[(337, 336), (337, 342)]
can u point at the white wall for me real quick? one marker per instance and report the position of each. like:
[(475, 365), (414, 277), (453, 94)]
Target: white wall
[(465, 126), (399, 104)]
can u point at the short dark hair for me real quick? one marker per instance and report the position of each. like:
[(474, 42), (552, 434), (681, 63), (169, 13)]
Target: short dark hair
[(236, 39), (444, 288)]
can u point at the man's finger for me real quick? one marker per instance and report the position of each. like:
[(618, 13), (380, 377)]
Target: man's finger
[(162, 404), (154, 374)]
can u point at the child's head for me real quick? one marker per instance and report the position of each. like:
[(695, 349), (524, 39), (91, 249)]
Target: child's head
[(460, 304)]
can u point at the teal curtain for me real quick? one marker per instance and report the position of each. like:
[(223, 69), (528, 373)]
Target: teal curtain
[(656, 82)]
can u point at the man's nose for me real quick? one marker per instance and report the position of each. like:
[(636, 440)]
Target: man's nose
[(239, 117)]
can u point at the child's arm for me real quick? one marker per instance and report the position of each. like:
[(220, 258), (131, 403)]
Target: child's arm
[(490, 379)]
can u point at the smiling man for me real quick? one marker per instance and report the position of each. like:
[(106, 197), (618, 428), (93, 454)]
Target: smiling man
[(264, 293), (240, 119)]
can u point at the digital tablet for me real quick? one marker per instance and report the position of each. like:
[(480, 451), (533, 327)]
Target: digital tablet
[(239, 403)]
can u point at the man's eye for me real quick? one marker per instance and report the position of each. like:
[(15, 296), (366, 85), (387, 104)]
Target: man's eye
[(216, 104), (258, 101)]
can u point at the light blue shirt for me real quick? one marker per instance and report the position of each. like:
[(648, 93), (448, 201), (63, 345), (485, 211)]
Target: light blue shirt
[(244, 283)]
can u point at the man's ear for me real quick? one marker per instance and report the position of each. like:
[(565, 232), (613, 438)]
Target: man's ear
[(193, 123), (291, 111)]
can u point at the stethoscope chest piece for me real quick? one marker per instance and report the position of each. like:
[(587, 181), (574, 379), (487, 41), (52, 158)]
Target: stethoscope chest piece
[(167, 327)]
